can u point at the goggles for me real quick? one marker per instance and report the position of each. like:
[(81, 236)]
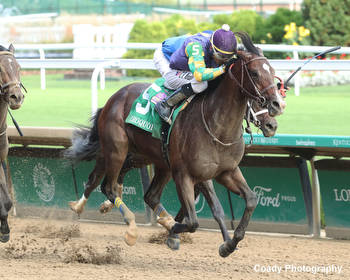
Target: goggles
[(221, 56)]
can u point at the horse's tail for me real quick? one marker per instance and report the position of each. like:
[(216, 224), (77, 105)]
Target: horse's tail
[(85, 142)]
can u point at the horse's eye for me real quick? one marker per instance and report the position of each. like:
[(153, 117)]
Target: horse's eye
[(254, 74)]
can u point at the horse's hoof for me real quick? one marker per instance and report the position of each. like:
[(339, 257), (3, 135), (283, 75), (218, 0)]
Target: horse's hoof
[(106, 206), (224, 251), (4, 238), (173, 242), (73, 207), (131, 234)]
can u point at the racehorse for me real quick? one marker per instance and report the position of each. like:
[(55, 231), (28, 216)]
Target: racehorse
[(255, 114), (10, 95), (209, 145)]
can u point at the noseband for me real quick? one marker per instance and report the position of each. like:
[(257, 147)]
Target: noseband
[(4, 87), (258, 94)]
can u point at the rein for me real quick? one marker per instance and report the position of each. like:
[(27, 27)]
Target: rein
[(257, 96), (210, 133)]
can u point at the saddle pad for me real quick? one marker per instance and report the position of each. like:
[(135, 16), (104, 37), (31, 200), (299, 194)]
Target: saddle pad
[(142, 113)]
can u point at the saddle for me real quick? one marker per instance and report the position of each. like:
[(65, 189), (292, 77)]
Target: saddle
[(144, 116)]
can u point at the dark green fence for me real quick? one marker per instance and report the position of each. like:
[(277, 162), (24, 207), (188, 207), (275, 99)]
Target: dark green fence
[(87, 6), (43, 183), (334, 177), (42, 179)]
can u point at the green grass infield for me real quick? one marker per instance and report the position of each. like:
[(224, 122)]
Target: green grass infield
[(317, 111)]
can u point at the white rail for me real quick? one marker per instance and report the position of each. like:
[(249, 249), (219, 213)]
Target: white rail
[(100, 64), (341, 65), (151, 46)]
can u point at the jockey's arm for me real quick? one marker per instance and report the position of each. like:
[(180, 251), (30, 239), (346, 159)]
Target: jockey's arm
[(196, 63)]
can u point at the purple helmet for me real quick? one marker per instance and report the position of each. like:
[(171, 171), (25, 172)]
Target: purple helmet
[(224, 42)]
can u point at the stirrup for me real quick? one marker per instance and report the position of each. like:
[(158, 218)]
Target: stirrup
[(166, 118), (162, 110)]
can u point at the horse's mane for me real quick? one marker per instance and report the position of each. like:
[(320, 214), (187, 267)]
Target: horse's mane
[(3, 48), (247, 43)]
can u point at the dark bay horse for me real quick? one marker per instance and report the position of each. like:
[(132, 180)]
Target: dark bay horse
[(10, 95), (255, 114), (206, 143)]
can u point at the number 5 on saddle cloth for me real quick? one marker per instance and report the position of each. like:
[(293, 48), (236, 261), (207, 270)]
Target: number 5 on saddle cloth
[(142, 113)]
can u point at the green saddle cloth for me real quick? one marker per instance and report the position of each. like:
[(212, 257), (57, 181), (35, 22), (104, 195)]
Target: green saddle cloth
[(143, 114)]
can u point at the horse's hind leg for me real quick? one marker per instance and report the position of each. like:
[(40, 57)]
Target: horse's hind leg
[(115, 148), (94, 179), (107, 205), (235, 182), (153, 194)]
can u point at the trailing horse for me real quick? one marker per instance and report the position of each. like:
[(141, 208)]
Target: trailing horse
[(10, 95), (205, 143)]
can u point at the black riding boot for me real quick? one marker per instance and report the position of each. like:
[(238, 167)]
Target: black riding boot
[(164, 107)]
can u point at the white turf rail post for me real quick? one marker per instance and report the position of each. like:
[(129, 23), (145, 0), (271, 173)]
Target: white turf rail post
[(316, 211), (42, 70)]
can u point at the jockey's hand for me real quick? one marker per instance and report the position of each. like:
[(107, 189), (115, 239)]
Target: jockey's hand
[(229, 62)]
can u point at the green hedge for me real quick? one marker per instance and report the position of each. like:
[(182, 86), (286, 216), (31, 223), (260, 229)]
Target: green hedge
[(270, 30)]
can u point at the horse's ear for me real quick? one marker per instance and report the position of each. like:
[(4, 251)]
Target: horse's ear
[(260, 51), (12, 48)]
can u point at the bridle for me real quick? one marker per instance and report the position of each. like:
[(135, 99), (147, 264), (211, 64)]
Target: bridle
[(251, 115), (258, 94), (4, 87), (255, 96)]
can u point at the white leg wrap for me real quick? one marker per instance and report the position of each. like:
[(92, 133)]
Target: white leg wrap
[(82, 201)]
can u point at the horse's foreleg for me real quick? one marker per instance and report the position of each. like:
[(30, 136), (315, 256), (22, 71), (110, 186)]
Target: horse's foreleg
[(185, 192), (236, 183), (94, 179), (4, 230), (207, 188), (182, 213), (5, 206)]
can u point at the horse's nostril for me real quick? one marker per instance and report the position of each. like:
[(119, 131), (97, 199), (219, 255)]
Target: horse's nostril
[(269, 126), (12, 96), (276, 104)]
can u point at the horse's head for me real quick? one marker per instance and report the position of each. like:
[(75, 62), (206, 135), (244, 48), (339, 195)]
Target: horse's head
[(261, 119), (10, 83), (254, 75)]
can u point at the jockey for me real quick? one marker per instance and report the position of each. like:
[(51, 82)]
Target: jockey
[(188, 62)]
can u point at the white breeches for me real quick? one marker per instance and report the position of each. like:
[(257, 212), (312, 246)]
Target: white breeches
[(176, 78)]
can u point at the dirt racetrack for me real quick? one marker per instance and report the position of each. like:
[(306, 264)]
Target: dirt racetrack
[(52, 249)]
